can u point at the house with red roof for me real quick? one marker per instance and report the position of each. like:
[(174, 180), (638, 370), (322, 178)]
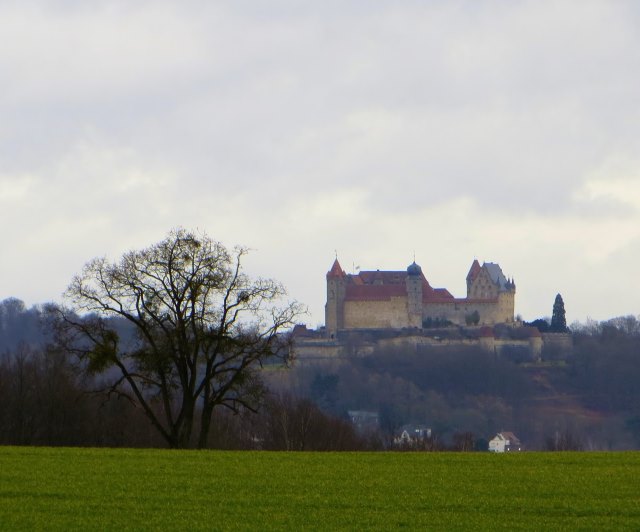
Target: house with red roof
[(405, 299)]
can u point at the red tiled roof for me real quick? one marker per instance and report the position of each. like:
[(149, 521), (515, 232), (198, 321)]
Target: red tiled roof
[(436, 294), (377, 277), (336, 270), (382, 285), (374, 292), (474, 270), (386, 277)]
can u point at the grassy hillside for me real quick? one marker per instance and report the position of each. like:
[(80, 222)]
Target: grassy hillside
[(46, 488)]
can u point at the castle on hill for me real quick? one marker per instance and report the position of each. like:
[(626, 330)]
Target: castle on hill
[(405, 299)]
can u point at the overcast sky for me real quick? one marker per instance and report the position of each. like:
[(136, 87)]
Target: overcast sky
[(507, 131)]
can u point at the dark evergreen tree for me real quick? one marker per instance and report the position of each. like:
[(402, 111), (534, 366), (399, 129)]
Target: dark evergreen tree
[(558, 319)]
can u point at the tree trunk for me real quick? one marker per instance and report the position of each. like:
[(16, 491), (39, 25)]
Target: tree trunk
[(205, 425), (185, 426)]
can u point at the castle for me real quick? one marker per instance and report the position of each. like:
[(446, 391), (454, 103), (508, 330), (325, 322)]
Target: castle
[(405, 299)]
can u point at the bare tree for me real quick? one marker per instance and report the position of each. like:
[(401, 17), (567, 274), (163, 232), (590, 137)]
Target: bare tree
[(201, 329), (297, 424), (564, 441), (463, 441)]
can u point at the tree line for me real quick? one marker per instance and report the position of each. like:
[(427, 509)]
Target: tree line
[(45, 400), (48, 398), (168, 347), (585, 396)]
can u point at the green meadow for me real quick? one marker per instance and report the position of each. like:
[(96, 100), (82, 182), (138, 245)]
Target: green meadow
[(114, 489)]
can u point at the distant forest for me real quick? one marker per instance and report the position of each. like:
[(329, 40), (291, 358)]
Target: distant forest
[(586, 398)]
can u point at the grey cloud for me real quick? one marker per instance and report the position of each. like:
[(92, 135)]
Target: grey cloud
[(511, 96), (261, 105)]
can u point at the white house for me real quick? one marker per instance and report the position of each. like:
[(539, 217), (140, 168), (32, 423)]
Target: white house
[(505, 442)]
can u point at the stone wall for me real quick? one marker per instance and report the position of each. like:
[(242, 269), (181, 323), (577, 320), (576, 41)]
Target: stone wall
[(307, 349), (494, 311), (312, 348), (392, 314), (561, 343)]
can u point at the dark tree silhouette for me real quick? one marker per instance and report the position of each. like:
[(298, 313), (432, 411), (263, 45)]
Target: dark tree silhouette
[(558, 319), (463, 442), (201, 330), (541, 324), (564, 441), (297, 424)]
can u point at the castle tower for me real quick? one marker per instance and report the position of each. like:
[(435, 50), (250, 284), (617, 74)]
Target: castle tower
[(336, 289), (471, 276), (506, 301), (414, 295)]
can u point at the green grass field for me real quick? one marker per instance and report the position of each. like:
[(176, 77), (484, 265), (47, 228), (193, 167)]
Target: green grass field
[(106, 489)]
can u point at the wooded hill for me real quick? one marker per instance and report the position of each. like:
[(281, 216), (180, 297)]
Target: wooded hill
[(589, 396)]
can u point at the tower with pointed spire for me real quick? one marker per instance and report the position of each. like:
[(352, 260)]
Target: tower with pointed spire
[(334, 308)]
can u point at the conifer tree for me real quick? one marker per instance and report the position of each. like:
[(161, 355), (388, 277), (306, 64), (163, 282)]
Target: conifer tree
[(558, 319)]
